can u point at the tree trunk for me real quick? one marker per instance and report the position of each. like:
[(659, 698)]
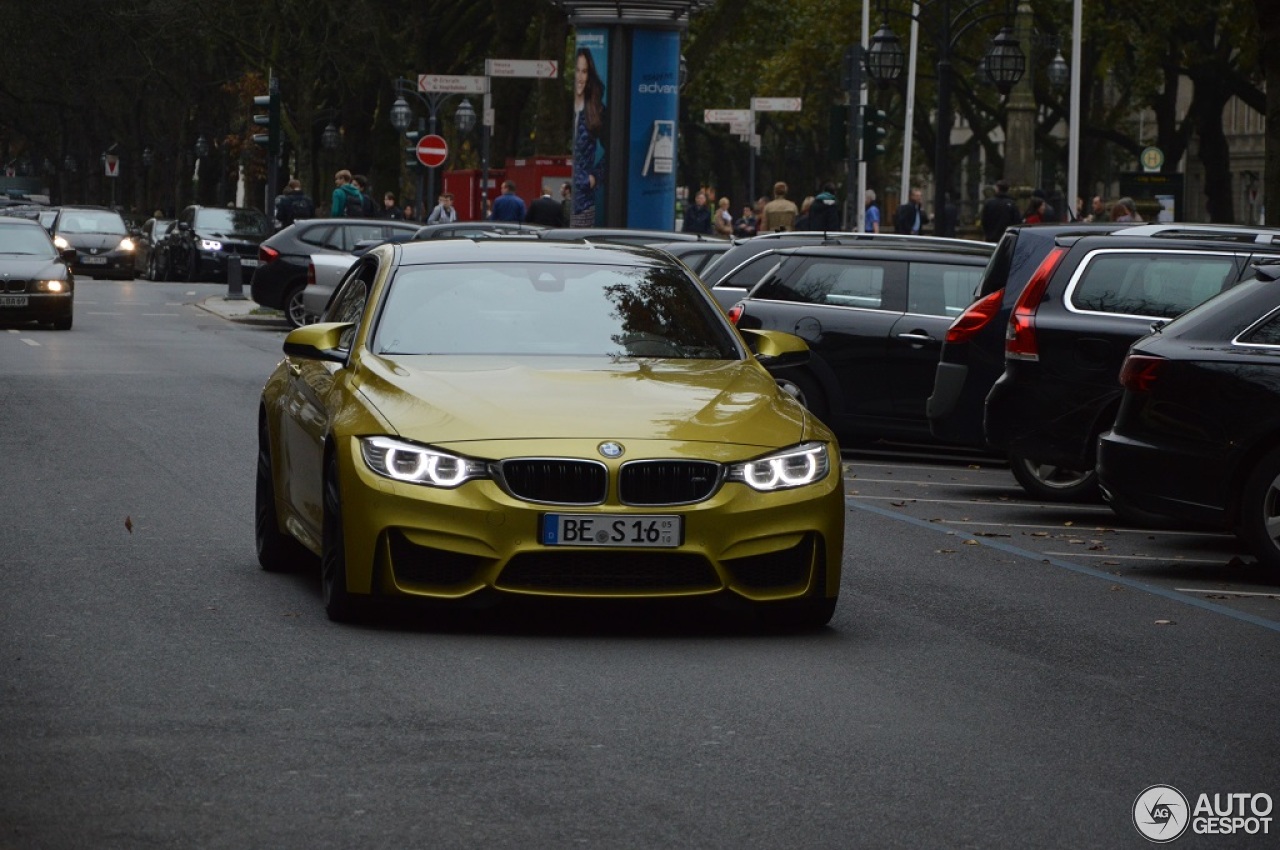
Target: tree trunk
[(1269, 51)]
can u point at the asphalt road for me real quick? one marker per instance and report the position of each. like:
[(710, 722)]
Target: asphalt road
[(998, 673)]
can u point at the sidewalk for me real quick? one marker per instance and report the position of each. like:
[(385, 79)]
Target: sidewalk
[(244, 310)]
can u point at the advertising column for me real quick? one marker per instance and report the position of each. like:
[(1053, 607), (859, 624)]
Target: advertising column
[(655, 101), (590, 126)]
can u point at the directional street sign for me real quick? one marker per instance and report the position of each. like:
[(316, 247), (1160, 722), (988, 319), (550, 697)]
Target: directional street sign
[(432, 151), (541, 68), (452, 84), (726, 116), (775, 104)]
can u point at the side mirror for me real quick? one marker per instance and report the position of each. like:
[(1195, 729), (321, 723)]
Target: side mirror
[(318, 342), (775, 349), (1268, 271)]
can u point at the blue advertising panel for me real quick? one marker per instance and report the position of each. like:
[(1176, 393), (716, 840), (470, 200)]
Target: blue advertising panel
[(655, 101), (590, 124)]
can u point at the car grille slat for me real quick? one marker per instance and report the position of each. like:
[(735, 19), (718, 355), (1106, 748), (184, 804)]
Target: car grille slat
[(667, 482), (556, 481), (609, 571)]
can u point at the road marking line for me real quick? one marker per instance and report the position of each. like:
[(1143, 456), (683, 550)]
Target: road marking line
[(105, 314), (31, 342), (1082, 529), (14, 330), (1039, 557), (1173, 559), (935, 483), (1272, 595), (1060, 506), (160, 314)]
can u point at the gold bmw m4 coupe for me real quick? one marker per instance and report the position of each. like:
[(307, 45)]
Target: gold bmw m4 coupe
[(478, 419)]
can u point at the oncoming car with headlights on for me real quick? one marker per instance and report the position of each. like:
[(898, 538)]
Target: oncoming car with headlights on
[(473, 420)]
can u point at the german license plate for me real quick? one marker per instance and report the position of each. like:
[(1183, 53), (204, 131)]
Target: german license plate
[(95, 261), (612, 530), (249, 263), (13, 300)]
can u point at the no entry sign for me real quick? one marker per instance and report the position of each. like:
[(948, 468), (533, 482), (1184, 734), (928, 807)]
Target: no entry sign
[(432, 151)]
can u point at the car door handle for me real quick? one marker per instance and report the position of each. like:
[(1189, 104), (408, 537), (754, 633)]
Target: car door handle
[(916, 337)]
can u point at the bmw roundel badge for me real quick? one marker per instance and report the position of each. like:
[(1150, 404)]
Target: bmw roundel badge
[(611, 449)]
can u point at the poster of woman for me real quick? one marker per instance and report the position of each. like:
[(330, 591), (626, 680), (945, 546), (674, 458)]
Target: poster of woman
[(589, 127)]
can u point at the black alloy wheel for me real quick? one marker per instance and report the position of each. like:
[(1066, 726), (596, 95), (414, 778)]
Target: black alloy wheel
[(277, 552), (1054, 483), (801, 385), (338, 602), (1260, 511)]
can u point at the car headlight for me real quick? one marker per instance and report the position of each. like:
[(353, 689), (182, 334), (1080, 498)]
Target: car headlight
[(61, 243), (126, 244), (50, 286), (794, 467), (407, 462), (210, 245)]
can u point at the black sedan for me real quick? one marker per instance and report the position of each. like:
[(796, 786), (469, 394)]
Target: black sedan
[(100, 238), (1197, 437), (145, 257), (35, 283), (205, 239), (874, 316)]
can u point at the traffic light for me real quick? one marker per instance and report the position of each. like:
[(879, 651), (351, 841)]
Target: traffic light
[(411, 149), (873, 133), (271, 120)]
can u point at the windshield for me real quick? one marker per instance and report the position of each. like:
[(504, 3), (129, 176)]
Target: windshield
[(232, 222), (539, 309), (92, 221), (26, 241)]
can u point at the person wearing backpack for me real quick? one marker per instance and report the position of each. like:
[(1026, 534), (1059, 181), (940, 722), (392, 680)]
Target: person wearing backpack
[(347, 201), (368, 206), (293, 205)]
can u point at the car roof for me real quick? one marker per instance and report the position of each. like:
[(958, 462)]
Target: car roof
[(19, 221), (625, 234), (892, 251), (427, 229), (515, 250)]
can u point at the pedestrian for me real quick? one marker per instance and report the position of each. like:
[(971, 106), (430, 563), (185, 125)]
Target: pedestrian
[(346, 201), (1047, 211), (1035, 211), (1098, 210), (1125, 210), (697, 218), (780, 213), (409, 214), (293, 205), (546, 210), (723, 221), (566, 202), (745, 226), (444, 212), (802, 220), (508, 206), (824, 215), (368, 206), (911, 217), (999, 212), (871, 213), (391, 209)]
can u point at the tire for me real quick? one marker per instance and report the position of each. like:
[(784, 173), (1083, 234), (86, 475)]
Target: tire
[(803, 387), (63, 323), (153, 268), (277, 552), (1260, 511), (797, 615), (1051, 483), (338, 603), (294, 311)]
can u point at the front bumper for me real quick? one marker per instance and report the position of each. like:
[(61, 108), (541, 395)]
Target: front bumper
[(411, 541), (36, 307), (116, 264)]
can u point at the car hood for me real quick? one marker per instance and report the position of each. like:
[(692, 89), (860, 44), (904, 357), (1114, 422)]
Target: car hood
[(91, 241), (17, 267), (445, 399)]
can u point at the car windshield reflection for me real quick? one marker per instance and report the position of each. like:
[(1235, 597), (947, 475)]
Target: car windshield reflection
[(538, 309)]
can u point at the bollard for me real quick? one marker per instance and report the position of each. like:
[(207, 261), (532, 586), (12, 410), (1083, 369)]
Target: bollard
[(235, 279)]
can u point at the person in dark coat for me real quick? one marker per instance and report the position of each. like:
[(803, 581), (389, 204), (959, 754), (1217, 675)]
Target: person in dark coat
[(825, 212), (697, 218), (999, 212), (546, 210), (293, 205), (911, 217)]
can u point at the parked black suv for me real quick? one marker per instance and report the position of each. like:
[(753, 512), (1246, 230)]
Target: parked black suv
[(282, 259), (1197, 437), (873, 316), (204, 238), (1090, 298)]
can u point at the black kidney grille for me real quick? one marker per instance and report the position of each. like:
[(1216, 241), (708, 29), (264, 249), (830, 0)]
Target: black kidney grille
[(557, 482), (609, 571), (667, 482), (14, 285)]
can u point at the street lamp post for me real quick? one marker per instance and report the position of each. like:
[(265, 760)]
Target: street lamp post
[(1003, 63), (402, 117), (148, 159)]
